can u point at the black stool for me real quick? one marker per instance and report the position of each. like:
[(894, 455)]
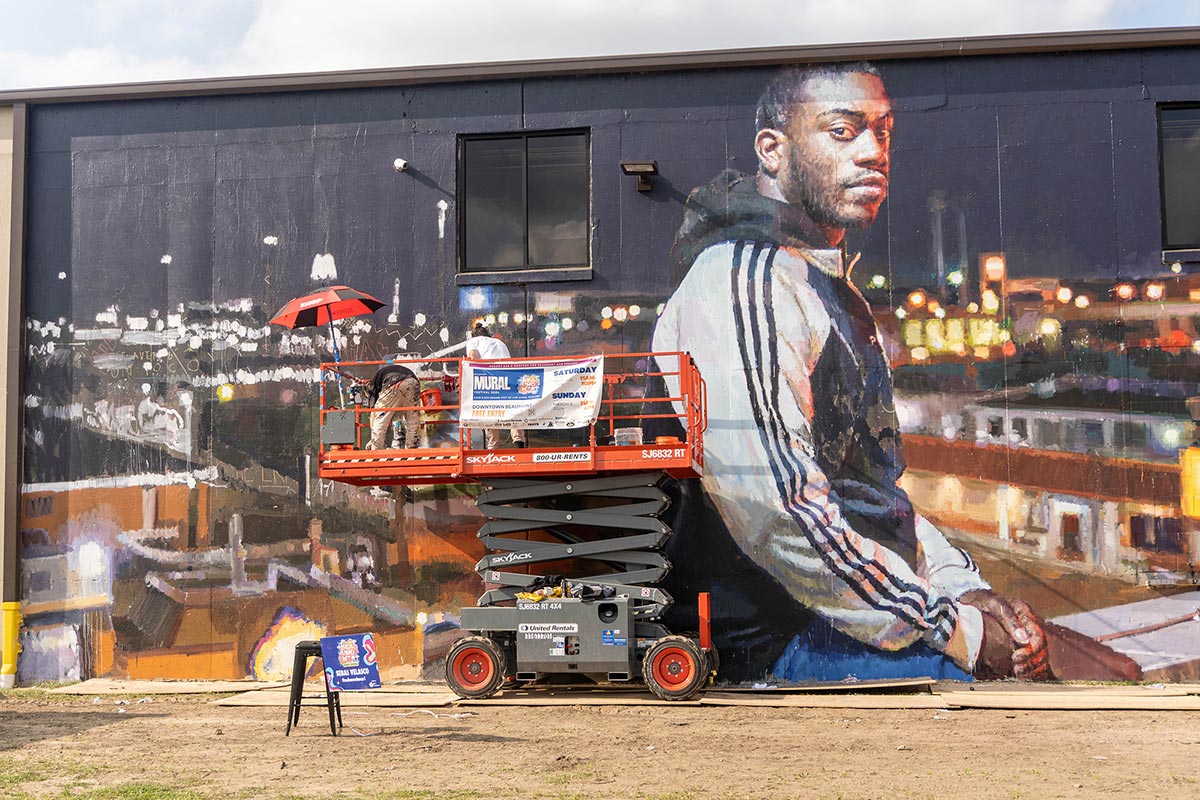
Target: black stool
[(333, 700)]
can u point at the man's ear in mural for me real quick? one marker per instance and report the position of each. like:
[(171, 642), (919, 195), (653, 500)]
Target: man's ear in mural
[(770, 146)]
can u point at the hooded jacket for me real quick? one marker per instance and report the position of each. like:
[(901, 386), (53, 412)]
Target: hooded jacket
[(799, 512)]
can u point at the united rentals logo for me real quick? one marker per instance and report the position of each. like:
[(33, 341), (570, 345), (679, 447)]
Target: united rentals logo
[(492, 458)]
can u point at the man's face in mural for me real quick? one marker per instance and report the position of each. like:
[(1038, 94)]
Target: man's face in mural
[(832, 157)]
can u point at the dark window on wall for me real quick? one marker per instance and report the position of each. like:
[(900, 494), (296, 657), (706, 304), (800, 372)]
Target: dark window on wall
[(524, 201), (1179, 155)]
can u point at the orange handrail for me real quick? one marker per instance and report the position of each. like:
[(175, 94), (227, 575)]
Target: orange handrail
[(667, 386)]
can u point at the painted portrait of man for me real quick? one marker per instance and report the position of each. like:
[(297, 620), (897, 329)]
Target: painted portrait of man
[(818, 564)]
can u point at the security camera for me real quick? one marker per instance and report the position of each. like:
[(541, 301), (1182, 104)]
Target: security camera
[(400, 165)]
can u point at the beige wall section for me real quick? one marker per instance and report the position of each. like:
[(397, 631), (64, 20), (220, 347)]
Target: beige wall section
[(8, 480)]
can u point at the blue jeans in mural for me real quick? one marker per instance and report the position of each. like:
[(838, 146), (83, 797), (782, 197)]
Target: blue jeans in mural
[(824, 654)]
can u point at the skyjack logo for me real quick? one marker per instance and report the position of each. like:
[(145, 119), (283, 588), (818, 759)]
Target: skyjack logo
[(492, 458), (510, 558)]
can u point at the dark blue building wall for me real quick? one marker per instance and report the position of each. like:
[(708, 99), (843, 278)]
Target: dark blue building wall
[(1051, 159)]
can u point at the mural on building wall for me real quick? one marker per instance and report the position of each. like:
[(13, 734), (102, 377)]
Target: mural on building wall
[(954, 455)]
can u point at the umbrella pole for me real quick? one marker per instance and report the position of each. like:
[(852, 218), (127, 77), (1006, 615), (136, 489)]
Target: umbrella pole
[(337, 360)]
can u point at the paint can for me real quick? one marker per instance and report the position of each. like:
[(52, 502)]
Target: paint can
[(627, 436)]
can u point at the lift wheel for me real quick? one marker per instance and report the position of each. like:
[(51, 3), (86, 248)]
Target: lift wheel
[(675, 668), (475, 667)]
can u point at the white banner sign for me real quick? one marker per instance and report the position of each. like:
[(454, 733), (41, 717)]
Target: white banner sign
[(515, 393)]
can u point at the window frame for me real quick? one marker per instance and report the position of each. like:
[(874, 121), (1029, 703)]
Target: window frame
[(1170, 251), (525, 273)]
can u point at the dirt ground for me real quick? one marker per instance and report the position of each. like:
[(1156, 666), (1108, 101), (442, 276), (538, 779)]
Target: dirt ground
[(184, 747)]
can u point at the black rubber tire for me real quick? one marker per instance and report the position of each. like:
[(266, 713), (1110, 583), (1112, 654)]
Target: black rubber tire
[(475, 667), (675, 668)]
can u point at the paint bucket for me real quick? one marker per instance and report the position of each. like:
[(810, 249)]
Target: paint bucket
[(431, 397), (627, 436)]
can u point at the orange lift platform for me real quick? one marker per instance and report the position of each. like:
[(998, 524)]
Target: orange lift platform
[(639, 388), (572, 525)]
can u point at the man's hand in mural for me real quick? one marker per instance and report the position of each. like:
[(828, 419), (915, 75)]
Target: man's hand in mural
[(1014, 638)]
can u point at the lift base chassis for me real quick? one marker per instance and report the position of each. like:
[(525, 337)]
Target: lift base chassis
[(566, 635)]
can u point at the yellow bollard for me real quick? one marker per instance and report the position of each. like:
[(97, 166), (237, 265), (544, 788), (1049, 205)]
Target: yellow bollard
[(1189, 482), (10, 626)]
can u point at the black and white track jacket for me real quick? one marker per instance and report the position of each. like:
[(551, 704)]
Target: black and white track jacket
[(803, 454)]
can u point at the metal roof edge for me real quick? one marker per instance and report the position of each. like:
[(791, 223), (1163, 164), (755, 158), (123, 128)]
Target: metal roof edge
[(705, 59)]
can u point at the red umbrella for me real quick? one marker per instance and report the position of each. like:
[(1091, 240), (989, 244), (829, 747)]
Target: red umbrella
[(323, 307)]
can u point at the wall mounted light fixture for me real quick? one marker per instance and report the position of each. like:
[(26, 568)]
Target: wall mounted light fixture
[(643, 170)]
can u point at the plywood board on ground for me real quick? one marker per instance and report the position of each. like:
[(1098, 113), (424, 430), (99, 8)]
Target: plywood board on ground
[(349, 699), (860, 701), (850, 687), (1014, 687), (108, 686), (1101, 700), (317, 685), (549, 697)]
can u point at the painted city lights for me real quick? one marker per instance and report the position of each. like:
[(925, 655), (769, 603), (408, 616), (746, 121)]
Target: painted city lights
[(1082, 301), (1125, 291), (1064, 294), (916, 299), (990, 301), (993, 268), (1154, 291), (955, 278), (877, 282)]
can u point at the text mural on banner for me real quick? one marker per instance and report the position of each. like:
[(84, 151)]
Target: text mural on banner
[(531, 394), (350, 662)]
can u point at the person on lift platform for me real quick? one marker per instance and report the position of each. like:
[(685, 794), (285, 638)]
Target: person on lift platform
[(482, 346), (394, 386)]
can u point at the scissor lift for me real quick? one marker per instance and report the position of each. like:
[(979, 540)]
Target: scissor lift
[(588, 510)]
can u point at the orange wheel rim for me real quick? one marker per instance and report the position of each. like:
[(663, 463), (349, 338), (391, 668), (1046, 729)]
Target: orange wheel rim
[(472, 667), (673, 668)]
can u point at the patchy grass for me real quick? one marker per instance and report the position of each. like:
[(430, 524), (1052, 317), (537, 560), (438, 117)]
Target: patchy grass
[(579, 774), (132, 791), (13, 772), (394, 794)]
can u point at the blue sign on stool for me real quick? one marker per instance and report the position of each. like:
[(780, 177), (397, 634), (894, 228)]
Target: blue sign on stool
[(350, 662)]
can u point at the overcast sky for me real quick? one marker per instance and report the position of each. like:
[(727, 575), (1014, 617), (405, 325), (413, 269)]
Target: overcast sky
[(76, 42)]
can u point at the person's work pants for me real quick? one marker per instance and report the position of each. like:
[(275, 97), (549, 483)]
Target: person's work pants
[(491, 436), (400, 394)]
